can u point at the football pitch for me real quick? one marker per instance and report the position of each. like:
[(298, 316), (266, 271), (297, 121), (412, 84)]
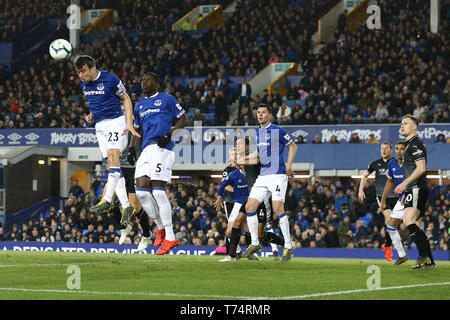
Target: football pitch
[(93, 276)]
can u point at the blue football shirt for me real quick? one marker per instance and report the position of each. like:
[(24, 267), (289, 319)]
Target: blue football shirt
[(237, 180), (154, 116), (103, 96), (395, 171), (270, 144)]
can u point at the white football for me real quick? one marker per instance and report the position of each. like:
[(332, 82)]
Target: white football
[(60, 49)]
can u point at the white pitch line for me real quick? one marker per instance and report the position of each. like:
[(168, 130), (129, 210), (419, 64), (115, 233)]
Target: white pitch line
[(152, 294), (364, 290), (66, 264)]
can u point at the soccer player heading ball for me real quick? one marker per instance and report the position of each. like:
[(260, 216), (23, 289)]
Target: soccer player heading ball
[(106, 95)]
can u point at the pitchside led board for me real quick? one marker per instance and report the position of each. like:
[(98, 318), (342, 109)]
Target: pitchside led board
[(201, 250)]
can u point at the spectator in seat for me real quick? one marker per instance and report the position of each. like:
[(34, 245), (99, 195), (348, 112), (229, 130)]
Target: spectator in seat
[(344, 231), (76, 190), (372, 139), (440, 138), (355, 138), (244, 91)]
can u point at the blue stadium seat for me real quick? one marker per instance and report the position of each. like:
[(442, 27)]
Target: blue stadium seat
[(434, 101), (302, 103), (290, 103), (85, 231), (209, 118), (365, 221), (350, 108)]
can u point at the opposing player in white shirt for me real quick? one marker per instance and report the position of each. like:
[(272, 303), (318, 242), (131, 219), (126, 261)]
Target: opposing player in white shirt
[(272, 180)]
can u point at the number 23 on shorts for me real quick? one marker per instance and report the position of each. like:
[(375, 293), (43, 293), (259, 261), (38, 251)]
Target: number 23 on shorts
[(113, 136)]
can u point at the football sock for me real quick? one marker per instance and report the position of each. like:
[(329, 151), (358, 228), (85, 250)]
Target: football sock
[(145, 224), (419, 237), (387, 239), (284, 226), (121, 192), (227, 244), (273, 239), (248, 238), (165, 211), (113, 177), (115, 211), (234, 242), (252, 222), (396, 240), (149, 204)]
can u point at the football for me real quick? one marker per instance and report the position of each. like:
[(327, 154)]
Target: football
[(60, 49)]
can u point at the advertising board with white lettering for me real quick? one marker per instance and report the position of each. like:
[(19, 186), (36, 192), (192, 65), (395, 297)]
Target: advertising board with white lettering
[(201, 250), (85, 137)]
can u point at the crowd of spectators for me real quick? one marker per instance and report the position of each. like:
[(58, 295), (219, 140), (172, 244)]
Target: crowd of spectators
[(370, 76), (251, 38), (324, 214), (17, 17), (365, 76)]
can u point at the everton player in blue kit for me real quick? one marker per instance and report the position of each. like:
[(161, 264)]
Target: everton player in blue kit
[(273, 178), (237, 180), (395, 177), (153, 116), (106, 95)]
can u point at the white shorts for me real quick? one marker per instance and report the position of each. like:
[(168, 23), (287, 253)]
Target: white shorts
[(235, 212), (155, 163), (110, 134), (271, 184), (399, 211)]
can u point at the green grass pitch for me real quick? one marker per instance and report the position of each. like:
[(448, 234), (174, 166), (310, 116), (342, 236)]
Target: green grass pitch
[(46, 275)]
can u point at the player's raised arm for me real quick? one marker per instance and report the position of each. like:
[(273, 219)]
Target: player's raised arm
[(249, 159)]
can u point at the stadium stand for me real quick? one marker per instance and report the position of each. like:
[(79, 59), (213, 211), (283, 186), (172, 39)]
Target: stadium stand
[(367, 81), (357, 77), (316, 211)]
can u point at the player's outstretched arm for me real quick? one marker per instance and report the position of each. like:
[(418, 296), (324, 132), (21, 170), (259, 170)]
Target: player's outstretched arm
[(128, 109), (291, 156), (362, 184), (247, 160)]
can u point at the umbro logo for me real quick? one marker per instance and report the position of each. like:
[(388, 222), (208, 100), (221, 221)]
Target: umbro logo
[(32, 136), (14, 136)]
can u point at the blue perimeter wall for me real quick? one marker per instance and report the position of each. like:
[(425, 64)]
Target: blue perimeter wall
[(208, 250)]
